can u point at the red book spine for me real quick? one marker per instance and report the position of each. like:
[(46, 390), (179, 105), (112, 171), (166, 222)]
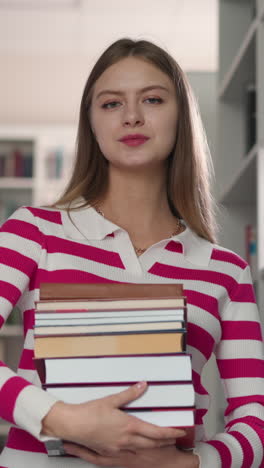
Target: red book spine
[(18, 166)]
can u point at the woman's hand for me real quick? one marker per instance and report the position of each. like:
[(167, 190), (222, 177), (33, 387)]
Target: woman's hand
[(105, 429), (165, 457)]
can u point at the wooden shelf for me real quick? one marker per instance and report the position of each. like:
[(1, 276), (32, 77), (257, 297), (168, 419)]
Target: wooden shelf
[(242, 69), (241, 54), (11, 330), (16, 183), (243, 187), (261, 15)]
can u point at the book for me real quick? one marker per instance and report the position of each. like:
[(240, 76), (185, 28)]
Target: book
[(16, 159), (105, 369), (72, 315), (251, 249), (251, 116), (56, 320), (158, 394), (66, 291), (18, 163), (109, 304), (28, 165), (100, 329), (113, 344), (173, 417)]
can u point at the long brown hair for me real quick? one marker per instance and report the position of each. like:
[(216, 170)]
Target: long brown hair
[(189, 164)]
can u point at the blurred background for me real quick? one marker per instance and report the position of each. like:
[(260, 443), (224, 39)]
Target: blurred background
[(47, 49)]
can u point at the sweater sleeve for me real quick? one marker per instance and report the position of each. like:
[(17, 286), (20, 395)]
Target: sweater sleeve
[(21, 403), (240, 362)]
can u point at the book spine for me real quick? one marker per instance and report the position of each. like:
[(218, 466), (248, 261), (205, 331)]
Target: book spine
[(55, 291), (251, 250), (114, 384), (41, 369), (111, 333), (96, 345)]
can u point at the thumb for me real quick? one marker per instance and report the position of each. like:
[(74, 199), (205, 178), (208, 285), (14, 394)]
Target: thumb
[(130, 394)]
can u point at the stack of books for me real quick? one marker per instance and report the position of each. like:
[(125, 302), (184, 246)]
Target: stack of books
[(94, 340)]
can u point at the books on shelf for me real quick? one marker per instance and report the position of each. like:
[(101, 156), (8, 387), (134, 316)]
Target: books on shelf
[(16, 158), (54, 161), (251, 117), (93, 340), (251, 249)]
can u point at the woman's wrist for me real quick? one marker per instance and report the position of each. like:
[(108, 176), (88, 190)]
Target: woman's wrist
[(53, 424), (196, 461)]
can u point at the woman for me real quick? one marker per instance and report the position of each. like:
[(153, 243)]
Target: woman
[(137, 209)]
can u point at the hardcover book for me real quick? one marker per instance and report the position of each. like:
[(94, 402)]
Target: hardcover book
[(66, 291), (97, 339), (152, 368), (158, 394), (101, 345)]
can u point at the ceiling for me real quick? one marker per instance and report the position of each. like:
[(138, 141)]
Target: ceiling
[(188, 29)]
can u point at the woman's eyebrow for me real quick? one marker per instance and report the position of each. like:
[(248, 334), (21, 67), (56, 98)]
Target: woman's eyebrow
[(147, 88)]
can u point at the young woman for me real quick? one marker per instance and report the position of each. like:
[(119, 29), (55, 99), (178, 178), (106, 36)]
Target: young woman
[(138, 209)]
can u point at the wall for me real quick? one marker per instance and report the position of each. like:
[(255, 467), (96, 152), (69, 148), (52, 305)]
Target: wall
[(46, 53)]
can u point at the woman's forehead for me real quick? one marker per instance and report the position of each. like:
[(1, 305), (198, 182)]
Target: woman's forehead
[(132, 73)]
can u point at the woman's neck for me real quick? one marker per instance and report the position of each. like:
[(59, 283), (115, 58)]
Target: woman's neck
[(138, 203)]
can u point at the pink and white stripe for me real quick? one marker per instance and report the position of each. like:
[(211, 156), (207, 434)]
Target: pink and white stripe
[(38, 245)]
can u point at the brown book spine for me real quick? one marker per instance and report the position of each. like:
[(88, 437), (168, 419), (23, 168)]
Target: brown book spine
[(101, 345), (64, 291)]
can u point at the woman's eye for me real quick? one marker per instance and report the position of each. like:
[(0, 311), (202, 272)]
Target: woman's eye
[(110, 105), (154, 100)]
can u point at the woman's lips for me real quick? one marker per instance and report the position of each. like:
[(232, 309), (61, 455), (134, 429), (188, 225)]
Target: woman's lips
[(134, 141)]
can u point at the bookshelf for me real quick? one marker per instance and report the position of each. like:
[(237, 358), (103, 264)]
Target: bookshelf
[(35, 164), (239, 166), (240, 160)]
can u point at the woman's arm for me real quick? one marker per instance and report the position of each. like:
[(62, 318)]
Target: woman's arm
[(102, 427), (21, 403), (165, 457), (240, 361)]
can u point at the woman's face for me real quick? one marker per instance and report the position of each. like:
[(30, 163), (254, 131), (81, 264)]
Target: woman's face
[(121, 105)]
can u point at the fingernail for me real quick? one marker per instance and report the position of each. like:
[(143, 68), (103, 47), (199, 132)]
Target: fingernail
[(141, 384), (181, 433)]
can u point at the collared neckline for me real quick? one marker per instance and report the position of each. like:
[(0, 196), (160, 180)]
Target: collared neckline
[(195, 249), (87, 223)]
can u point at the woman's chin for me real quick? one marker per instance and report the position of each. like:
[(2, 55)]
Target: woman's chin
[(138, 165)]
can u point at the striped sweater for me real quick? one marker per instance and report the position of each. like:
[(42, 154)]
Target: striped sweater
[(46, 245)]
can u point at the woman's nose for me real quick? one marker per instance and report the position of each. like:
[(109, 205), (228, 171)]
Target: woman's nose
[(132, 115)]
